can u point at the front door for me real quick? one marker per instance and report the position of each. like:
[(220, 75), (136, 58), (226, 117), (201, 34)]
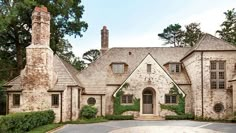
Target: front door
[(147, 102)]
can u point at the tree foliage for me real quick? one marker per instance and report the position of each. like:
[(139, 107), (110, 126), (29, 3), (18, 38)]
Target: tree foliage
[(78, 64), (174, 35), (228, 27), (192, 34), (15, 25), (91, 55)]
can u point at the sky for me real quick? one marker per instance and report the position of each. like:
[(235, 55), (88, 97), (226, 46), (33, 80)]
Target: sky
[(136, 23)]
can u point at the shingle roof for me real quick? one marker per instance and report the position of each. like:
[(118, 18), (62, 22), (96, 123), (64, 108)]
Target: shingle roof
[(211, 43), (66, 75), (131, 56)]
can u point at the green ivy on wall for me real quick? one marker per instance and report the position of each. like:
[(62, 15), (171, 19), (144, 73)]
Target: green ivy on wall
[(119, 108), (179, 109)]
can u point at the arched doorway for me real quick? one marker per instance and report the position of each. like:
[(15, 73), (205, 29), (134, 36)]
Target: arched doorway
[(148, 96)]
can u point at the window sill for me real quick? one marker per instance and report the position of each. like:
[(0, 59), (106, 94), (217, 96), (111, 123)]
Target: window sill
[(16, 106), (171, 103), (54, 106), (127, 104)]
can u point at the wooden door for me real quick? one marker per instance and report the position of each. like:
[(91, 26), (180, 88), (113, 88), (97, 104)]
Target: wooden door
[(147, 102)]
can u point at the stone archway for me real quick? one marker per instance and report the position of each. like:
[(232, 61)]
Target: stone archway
[(148, 103)]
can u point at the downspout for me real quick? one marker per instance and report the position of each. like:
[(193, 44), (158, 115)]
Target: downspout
[(101, 105), (61, 109), (202, 82), (71, 103), (7, 104)]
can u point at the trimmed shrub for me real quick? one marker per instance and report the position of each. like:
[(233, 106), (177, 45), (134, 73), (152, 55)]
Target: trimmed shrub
[(23, 122), (119, 117), (180, 117), (88, 112)]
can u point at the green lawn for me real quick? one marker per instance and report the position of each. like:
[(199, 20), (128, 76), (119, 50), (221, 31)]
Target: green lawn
[(45, 128)]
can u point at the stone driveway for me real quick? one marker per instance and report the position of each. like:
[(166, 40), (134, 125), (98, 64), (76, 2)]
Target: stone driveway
[(134, 126)]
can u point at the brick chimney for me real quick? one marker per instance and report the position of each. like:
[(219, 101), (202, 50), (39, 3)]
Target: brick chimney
[(104, 39)]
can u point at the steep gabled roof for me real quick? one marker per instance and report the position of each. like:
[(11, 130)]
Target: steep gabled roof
[(210, 43), (66, 76), (99, 72), (162, 71)]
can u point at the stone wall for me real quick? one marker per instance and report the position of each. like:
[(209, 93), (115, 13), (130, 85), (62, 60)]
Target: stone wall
[(98, 98), (158, 80), (210, 96)]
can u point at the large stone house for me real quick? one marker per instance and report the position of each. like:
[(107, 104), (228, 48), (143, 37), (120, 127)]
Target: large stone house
[(145, 81)]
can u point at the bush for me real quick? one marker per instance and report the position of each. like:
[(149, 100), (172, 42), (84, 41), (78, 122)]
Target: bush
[(88, 112), (119, 117), (23, 122), (180, 117)]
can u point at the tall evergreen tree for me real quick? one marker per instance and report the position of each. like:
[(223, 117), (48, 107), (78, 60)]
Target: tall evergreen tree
[(228, 27), (91, 55), (192, 34), (173, 34)]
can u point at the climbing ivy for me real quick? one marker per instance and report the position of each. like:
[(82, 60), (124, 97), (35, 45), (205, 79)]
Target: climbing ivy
[(179, 109), (119, 108)]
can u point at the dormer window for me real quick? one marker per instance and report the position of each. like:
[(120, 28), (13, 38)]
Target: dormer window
[(118, 67), (174, 67)]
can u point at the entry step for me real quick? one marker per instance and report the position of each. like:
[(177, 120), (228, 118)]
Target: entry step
[(150, 118)]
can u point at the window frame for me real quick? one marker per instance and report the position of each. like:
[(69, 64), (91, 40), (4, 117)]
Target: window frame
[(118, 71), (217, 80), (173, 67), (127, 96), (91, 99), (149, 68), (171, 97), (54, 103), (14, 102)]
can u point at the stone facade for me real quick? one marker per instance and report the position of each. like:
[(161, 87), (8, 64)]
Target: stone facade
[(149, 72)]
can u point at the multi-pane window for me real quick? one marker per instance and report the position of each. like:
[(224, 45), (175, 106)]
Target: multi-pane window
[(174, 68), (118, 68), (217, 74), (171, 99), (16, 99), (127, 99), (55, 99), (149, 68)]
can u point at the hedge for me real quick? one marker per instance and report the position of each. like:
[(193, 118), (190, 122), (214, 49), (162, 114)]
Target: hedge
[(119, 117), (180, 117), (23, 122), (88, 112)]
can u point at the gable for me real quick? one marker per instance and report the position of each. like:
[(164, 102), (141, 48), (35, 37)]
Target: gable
[(210, 43), (158, 77)]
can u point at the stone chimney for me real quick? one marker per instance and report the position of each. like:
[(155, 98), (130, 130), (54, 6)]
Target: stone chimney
[(39, 56), (38, 76), (104, 39), (40, 26)]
